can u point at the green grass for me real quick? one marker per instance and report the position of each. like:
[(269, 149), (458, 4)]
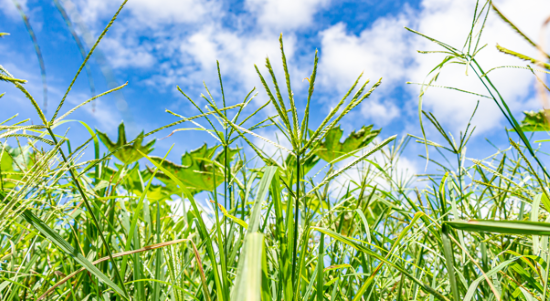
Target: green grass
[(103, 229)]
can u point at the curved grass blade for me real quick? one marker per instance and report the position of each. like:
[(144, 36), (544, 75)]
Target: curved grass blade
[(247, 277), (449, 260), (504, 227), (106, 258), (58, 241), (203, 230), (523, 57), (363, 249)]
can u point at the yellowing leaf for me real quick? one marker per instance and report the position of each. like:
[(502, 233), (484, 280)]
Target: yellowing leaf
[(232, 217)]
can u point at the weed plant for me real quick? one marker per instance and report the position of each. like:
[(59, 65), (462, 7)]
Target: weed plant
[(105, 229)]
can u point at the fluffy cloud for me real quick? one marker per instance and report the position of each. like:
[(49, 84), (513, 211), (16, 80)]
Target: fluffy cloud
[(386, 49), (381, 113), (180, 41), (151, 13), (8, 9), (236, 52), (379, 51), (285, 14), (123, 54), (171, 11)]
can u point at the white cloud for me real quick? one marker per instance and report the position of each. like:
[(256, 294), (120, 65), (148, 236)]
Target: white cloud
[(285, 14), (193, 50), (171, 11), (385, 49), (7, 7), (127, 53), (379, 51), (236, 52), (150, 13), (381, 113)]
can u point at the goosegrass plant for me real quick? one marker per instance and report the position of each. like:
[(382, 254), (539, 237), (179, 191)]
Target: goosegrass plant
[(359, 228), (503, 217)]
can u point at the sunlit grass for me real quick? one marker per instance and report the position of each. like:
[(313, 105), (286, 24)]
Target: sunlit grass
[(357, 229)]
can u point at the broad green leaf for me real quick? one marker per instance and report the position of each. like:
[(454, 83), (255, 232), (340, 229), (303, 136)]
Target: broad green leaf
[(535, 122), (197, 169), (14, 163), (133, 184), (126, 153), (22, 157), (9, 175), (289, 172), (332, 150), (134, 178)]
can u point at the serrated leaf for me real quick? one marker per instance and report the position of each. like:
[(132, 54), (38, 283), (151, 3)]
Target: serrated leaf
[(126, 153), (535, 122), (332, 150), (289, 173), (197, 169)]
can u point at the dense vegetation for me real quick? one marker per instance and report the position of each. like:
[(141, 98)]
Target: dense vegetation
[(288, 226)]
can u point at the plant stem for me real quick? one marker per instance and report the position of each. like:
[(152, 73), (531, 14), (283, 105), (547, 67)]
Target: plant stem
[(296, 218), (90, 210)]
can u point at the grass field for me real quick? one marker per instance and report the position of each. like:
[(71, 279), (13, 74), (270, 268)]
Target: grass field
[(331, 217)]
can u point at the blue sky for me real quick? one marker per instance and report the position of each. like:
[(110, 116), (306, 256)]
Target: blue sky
[(157, 45)]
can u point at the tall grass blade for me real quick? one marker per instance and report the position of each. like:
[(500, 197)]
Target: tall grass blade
[(58, 241), (248, 285), (504, 227)]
